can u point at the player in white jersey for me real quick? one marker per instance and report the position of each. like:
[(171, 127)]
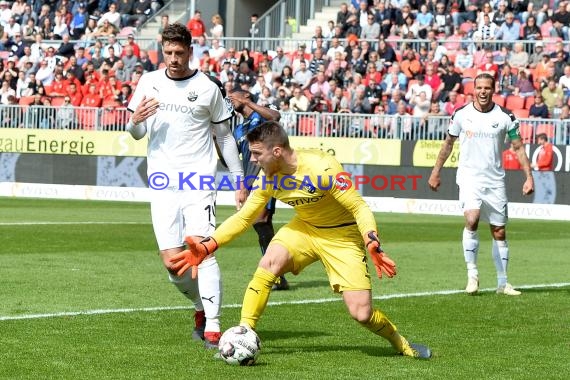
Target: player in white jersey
[(482, 127), (181, 109)]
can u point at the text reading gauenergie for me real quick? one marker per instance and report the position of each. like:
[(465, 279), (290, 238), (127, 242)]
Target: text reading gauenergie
[(59, 146)]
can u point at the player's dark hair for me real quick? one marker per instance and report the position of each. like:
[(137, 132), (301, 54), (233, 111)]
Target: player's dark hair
[(542, 136), (176, 33), (270, 133), (241, 91), (486, 76)]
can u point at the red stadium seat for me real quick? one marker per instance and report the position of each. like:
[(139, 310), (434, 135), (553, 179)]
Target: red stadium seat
[(514, 102), (153, 56), (520, 113), (528, 102), (526, 132), (499, 100), (26, 100), (468, 88), (306, 126), (548, 129)]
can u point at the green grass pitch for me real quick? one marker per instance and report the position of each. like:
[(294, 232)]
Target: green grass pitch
[(62, 258)]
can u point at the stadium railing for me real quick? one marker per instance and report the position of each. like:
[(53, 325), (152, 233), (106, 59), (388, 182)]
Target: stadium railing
[(310, 124)]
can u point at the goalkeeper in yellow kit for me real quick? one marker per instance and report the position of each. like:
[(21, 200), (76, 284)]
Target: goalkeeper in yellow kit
[(330, 224)]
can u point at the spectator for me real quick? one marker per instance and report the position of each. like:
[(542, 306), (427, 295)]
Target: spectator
[(564, 82), (303, 75), (286, 77), (217, 52), (561, 21), (519, 58), (141, 11), (254, 29), (106, 29), (510, 159), (463, 60), (509, 30), (536, 57), (45, 73), (386, 53), (411, 65), (411, 28), (531, 31), (489, 66), (299, 102), (538, 109), (112, 43), (500, 15), (28, 14), (129, 59), (74, 94), (336, 47), (113, 17), (352, 27), (319, 103), (443, 22), (288, 118), (425, 21), (245, 75), (507, 82), (544, 161), (279, 62), (452, 104), (551, 94), (371, 29), (5, 92), (65, 116), (523, 86), (399, 124), (319, 84), (29, 31), (342, 15), (196, 26), (246, 57), (433, 122), (339, 102), (145, 61), (66, 49), (92, 98), (131, 43), (421, 105), (420, 86), (125, 8)]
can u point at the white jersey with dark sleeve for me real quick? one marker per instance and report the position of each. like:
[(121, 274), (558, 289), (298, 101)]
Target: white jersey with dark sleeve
[(180, 133), (481, 142)]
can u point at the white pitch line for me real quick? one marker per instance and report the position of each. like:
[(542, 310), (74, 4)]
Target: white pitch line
[(64, 223), (278, 303)]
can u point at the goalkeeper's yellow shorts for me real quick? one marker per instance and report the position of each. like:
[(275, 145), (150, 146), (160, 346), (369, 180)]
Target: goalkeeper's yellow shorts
[(340, 249)]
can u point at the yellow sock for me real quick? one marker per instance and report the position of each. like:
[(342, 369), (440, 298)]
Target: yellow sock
[(379, 324), (256, 296)]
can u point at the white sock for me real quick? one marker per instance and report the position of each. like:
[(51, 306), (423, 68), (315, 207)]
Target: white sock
[(210, 285), (188, 287), (470, 250), (501, 259)]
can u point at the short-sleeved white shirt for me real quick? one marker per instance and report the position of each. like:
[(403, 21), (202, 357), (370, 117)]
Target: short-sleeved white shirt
[(180, 133), (481, 141)]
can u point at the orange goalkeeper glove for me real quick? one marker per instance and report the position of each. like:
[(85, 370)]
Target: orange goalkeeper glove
[(383, 263), (198, 249)]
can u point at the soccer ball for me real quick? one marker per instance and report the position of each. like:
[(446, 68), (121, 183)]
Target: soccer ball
[(239, 345)]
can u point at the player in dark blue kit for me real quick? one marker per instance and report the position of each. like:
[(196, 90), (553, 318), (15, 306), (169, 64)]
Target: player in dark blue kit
[(253, 116)]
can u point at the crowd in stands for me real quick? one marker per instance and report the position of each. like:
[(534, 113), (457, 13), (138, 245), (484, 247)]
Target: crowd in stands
[(357, 64)]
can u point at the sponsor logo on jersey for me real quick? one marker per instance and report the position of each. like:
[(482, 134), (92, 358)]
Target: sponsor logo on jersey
[(192, 96), (495, 125)]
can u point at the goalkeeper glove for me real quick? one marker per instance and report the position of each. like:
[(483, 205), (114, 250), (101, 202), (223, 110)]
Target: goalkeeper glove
[(382, 262), (198, 249)]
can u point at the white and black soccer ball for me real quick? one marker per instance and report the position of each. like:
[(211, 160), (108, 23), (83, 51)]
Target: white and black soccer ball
[(239, 345)]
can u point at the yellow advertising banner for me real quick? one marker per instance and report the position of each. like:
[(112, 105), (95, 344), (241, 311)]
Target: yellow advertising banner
[(84, 143), (93, 143), (354, 150), (426, 151)]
